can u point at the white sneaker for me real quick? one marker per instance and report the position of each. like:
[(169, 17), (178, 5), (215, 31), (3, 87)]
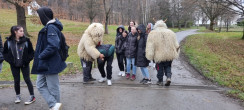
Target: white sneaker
[(109, 83), (123, 73), (102, 80), (18, 99), (58, 106), (120, 73)]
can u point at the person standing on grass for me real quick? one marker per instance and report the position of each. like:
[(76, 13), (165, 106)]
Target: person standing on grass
[(141, 60), (87, 51), (18, 52), (47, 61), (1, 54), (108, 52), (162, 47), (119, 42), (130, 53)]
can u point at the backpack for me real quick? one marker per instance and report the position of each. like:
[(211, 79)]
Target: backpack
[(64, 48)]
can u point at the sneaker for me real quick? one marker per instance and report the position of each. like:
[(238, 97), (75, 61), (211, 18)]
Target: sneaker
[(31, 100), (148, 81), (57, 106), (143, 80), (123, 73), (168, 81), (18, 99), (92, 79), (120, 73), (160, 83), (109, 83), (127, 76), (102, 80), (133, 77)]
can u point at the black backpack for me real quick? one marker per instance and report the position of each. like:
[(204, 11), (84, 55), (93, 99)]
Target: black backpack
[(64, 48)]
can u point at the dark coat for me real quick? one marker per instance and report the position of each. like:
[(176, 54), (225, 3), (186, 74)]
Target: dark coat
[(47, 59), (1, 50), (141, 60), (119, 44), (28, 52), (130, 46)]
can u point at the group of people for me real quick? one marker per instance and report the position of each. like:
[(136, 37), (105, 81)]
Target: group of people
[(134, 48)]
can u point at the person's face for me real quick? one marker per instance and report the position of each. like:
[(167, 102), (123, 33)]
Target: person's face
[(124, 34), (131, 24), (133, 30), (19, 33), (120, 30), (149, 26), (139, 31)]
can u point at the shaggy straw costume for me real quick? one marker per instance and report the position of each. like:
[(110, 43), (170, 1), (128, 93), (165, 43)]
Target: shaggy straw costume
[(87, 48), (163, 48)]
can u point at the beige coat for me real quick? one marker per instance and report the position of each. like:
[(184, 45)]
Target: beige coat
[(161, 44), (89, 40)]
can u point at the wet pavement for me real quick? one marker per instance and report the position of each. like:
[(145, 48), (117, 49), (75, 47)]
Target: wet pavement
[(188, 91)]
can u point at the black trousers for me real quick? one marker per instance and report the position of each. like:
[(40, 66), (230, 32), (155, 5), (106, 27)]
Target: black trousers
[(26, 74), (121, 61), (164, 68), (101, 64), (87, 67)]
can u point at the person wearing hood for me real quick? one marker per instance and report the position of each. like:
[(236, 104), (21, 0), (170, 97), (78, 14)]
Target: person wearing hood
[(141, 60), (47, 60), (18, 52), (119, 42), (162, 47), (130, 53)]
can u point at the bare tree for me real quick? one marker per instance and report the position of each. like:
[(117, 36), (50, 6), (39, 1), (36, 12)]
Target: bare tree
[(107, 12), (20, 6), (92, 9)]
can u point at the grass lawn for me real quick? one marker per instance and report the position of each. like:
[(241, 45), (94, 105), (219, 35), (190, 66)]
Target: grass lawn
[(220, 57)]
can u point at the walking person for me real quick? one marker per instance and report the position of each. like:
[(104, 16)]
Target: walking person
[(141, 60), (130, 53), (108, 52), (163, 48), (120, 52), (18, 52), (47, 60), (87, 49), (1, 54)]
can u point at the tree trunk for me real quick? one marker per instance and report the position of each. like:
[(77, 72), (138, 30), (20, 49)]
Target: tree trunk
[(21, 18), (227, 25), (211, 27), (106, 25), (179, 26), (243, 33)]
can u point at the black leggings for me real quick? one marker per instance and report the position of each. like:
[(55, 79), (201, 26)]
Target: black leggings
[(121, 61), (26, 74)]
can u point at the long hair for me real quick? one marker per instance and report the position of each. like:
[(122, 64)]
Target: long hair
[(13, 29)]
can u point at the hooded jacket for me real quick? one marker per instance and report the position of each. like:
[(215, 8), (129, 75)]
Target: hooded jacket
[(47, 59), (162, 44), (24, 48), (117, 30), (141, 60), (45, 14), (90, 39)]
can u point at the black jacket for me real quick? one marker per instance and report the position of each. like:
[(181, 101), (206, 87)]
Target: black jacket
[(1, 50), (141, 60), (119, 44), (10, 56), (130, 46)]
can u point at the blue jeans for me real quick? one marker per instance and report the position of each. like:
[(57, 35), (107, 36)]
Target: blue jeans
[(145, 72), (48, 86), (129, 61)]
